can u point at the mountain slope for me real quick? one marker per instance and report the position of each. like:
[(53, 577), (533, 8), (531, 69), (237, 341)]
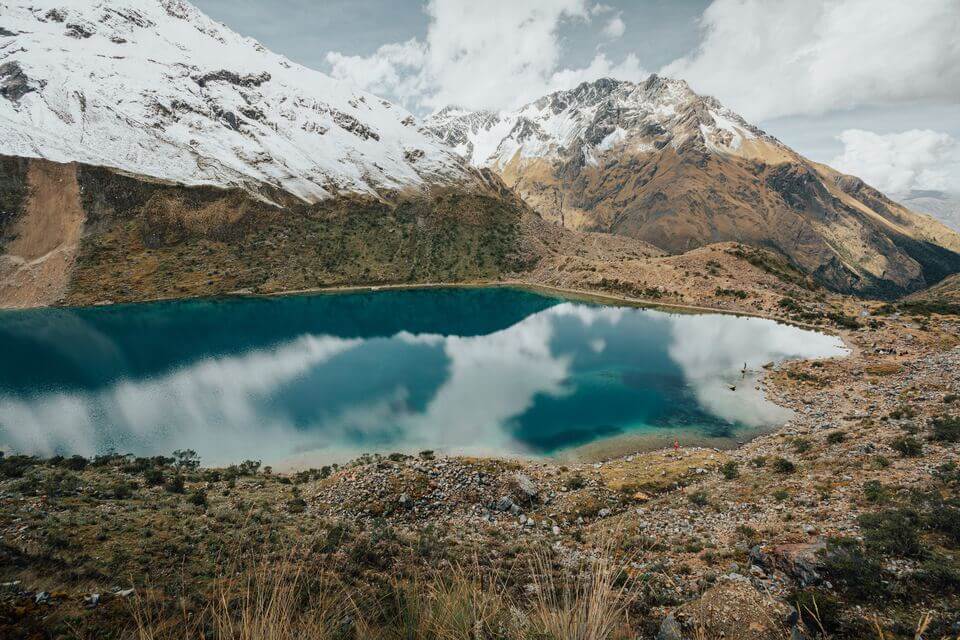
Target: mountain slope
[(156, 88), (147, 151), (657, 162)]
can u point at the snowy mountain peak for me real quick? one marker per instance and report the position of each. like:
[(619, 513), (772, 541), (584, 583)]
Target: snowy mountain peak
[(594, 118), (155, 87)]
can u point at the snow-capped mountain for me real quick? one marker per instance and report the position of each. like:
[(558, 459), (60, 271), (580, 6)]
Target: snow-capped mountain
[(156, 88), (597, 118), (658, 162)]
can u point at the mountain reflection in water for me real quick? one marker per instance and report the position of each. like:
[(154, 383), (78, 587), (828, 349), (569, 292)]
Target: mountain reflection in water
[(493, 371)]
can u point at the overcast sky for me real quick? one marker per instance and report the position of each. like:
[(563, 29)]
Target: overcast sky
[(870, 86)]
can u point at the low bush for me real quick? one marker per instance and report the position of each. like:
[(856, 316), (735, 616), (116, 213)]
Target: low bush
[(907, 446), (946, 428), (198, 497), (852, 569), (730, 469), (894, 532), (16, 466), (121, 490), (75, 463), (782, 465), (175, 484), (836, 437), (699, 498), (154, 477), (875, 492), (938, 573)]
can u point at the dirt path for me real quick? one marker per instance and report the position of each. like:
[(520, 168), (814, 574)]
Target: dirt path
[(35, 269)]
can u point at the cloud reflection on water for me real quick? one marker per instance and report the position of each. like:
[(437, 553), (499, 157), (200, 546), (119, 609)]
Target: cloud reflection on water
[(338, 397)]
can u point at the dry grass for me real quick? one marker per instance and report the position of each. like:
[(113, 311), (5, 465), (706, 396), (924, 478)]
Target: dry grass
[(587, 604), (290, 601)]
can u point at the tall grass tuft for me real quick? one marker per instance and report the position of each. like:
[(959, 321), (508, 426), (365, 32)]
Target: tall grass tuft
[(590, 602)]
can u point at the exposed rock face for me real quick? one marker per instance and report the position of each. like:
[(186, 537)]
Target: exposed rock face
[(14, 83), (657, 162)]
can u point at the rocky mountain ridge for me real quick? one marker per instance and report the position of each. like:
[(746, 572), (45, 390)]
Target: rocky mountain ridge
[(657, 162)]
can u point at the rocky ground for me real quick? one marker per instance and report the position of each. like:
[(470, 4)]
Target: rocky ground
[(844, 523)]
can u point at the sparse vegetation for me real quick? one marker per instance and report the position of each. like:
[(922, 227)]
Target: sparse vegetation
[(782, 465), (730, 470), (907, 446), (946, 428)]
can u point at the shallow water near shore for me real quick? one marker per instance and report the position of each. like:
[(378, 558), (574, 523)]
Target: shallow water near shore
[(318, 378)]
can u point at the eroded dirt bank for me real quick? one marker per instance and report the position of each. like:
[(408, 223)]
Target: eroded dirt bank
[(40, 244)]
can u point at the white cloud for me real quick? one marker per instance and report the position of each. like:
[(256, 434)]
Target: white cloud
[(615, 28), (895, 163), (769, 58), (482, 55), (392, 69)]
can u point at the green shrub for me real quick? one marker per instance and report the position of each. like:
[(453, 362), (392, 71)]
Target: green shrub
[(894, 532), (946, 428), (154, 477), (875, 492), (836, 437), (801, 445), (427, 454), (336, 535), (198, 497), (759, 462), (948, 473), (853, 570), (938, 573), (699, 498), (121, 490), (881, 462), (16, 466), (782, 465), (945, 518), (186, 459), (248, 467), (907, 446), (60, 483), (902, 412), (730, 469), (950, 398), (175, 484), (574, 482), (75, 463)]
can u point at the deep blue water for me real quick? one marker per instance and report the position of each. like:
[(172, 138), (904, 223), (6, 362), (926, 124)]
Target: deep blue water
[(328, 376)]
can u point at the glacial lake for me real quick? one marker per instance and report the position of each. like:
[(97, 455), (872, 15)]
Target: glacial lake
[(317, 378)]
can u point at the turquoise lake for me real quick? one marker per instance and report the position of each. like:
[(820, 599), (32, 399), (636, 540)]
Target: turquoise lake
[(324, 377)]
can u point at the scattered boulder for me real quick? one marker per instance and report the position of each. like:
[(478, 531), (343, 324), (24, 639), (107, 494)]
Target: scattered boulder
[(526, 489), (670, 629), (801, 561)]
